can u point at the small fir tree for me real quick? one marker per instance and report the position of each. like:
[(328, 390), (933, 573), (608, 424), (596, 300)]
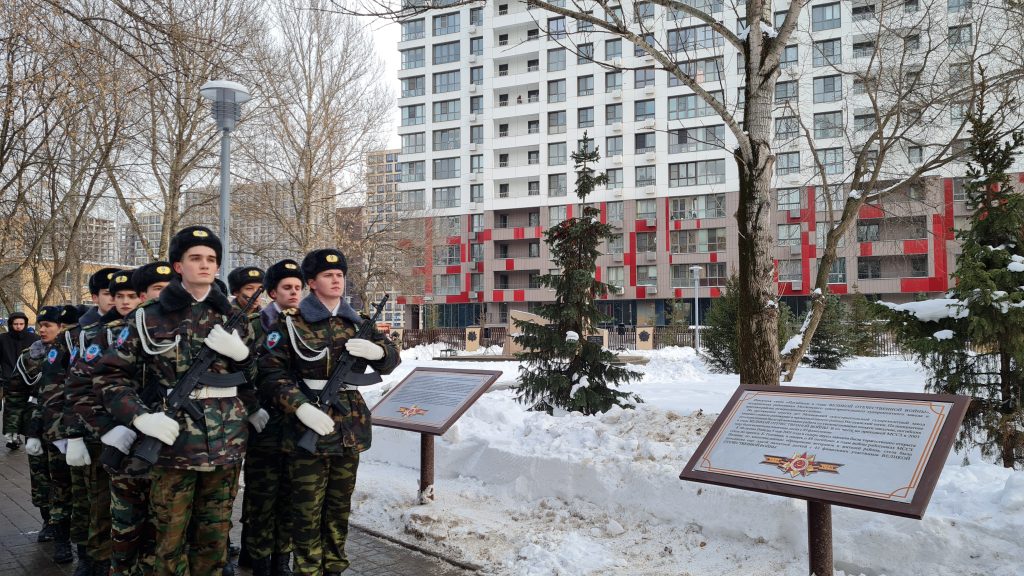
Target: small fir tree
[(864, 325), (567, 373), (720, 335), (972, 341), (830, 346)]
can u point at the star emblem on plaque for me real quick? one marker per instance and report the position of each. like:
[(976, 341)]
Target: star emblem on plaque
[(800, 464), (644, 335), (409, 412)]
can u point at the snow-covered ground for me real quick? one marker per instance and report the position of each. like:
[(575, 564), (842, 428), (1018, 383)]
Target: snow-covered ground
[(527, 494)]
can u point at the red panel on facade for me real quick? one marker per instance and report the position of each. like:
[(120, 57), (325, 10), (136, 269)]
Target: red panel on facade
[(716, 292), (941, 268), (629, 258), (519, 295), (920, 246), (869, 211), (538, 231), (465, 253), (568, 211), (915, 284), (453, 240), (457, 299), (518, 233), (484, 235), (641, 292), (497, 296), (679, 292), (480, 266), (400, 300), (510, 264), (452, 269), (714, 257), (806, 253), (604, 212), (641, 226), (677, 224), (597, 273), (698, 224), (838, 289), (866, 248)]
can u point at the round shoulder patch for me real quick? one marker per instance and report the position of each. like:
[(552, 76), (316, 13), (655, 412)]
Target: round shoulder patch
[(122, 336), (91, 353), (51, 356), (272, 339)]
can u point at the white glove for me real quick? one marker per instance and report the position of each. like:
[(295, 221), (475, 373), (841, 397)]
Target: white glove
[(121, 437), (316, 419), (230, 345), (33, 447), (259, 420), (61, 445), (158, 425), (77, 454), (364, 349), (11, 438)]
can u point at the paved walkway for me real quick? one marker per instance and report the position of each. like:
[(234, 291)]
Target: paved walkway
[(20, 555)]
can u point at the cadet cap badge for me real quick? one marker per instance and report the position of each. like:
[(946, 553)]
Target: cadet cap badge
[(163, 269), (332, 258), (200, 233), (290, 266), (254, 273)]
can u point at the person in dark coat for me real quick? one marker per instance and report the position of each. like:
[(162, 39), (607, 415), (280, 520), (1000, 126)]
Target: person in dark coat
[(13, 342)]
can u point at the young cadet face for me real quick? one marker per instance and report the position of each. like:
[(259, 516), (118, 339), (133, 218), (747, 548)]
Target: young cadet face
[(246, 292), (288, 293), (125, 301), (18, 324), (48, 331), (198, 266), (104, 301), (153, 291), (328, 284)]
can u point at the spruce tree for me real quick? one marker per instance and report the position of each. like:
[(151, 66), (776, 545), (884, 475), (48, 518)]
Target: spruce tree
[(864, 326), (720, 336), (830, 346), (972, 342), (573, 374)]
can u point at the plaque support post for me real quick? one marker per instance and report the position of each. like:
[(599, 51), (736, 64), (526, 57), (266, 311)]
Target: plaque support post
[(427, 468), (819, 537)]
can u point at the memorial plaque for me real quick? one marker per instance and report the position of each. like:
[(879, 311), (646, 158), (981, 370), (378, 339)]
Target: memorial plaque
[(595, 339), (879, 451), (430, 400)]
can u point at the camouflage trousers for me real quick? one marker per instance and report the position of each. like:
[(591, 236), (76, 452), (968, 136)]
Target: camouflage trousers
[(131, 529), (79, 504), (176, 496), (39, 474), (98, 483), (60, 484), (266, 502), (322, 487)]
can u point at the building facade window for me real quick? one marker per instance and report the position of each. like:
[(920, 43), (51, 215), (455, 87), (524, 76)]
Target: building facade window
[(446, 52), (446, 110), (413, 29), (697, 207), (446, 24), (827, 53), (413, 58), (698, 173), (447, 168), (413, 115), (446, 82)]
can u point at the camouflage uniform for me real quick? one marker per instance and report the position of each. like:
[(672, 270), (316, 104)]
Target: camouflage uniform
[(47, 417), (266, 502), (322, 483), (21, 397), (198, 474), (85, 417)]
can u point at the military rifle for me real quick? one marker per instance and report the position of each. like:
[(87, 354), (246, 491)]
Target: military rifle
[(179, 398), (329, 395)]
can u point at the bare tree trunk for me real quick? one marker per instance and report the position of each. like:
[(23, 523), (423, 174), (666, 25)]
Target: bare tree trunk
[(1009, 389)]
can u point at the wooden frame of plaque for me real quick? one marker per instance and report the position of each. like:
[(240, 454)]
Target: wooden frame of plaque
[(932, 458), (488, 377)]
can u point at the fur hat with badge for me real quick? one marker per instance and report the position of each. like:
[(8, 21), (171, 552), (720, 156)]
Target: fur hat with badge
[(68, 315), (122, 281), (191, 237), (100, 280), (148, 274), (286, 268), (324, 259), (243, 275), (49, 314)]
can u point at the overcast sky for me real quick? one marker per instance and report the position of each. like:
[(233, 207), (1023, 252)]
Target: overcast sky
[(386, 34)]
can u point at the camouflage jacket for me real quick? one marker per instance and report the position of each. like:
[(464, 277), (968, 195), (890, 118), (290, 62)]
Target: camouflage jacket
[(160, 343), (289, 353), (21, 390), (84, 415), (280, 424), (48, 413)]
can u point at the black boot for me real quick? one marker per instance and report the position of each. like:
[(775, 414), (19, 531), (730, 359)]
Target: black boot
[(232, 549), (280, 564), (62, 543), (46, 532), (229, 569), (84, 566), (101, 568), (244, 558), (261, 567)]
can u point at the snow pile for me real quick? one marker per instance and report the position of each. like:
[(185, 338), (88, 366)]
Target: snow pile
[(525, 493), (1017, 265), (792, 344), (943, 335), (931, 310), (768, 31)]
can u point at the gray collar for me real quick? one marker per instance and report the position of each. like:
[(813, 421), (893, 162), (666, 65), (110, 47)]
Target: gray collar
[(312, 310)]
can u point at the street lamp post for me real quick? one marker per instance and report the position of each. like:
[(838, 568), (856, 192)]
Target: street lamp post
[(227, 98), (695, 270)]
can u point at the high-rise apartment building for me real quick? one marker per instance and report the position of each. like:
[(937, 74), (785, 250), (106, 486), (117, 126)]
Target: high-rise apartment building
[(495, 98), (383, 215)]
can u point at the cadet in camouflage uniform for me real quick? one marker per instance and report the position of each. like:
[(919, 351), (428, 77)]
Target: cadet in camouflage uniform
[(86, 423), (305, 344), (47, 424), (131, 529), (195, 474), (22, 395), (266, 503)]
